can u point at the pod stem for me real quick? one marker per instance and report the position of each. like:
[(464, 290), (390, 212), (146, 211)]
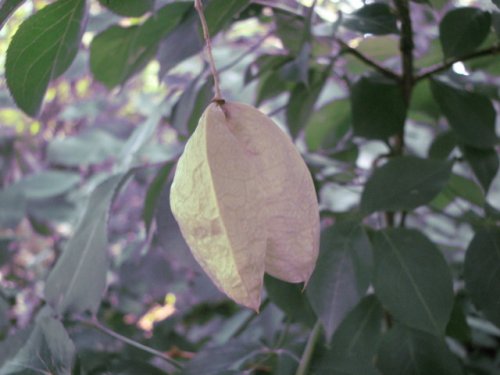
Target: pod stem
[(208, 48)]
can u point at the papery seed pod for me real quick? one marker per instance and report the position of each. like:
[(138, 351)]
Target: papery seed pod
[(245, 202)]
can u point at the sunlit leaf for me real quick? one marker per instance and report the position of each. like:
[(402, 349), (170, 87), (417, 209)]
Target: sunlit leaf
[(43, 48), (7, 7), (241, 187)]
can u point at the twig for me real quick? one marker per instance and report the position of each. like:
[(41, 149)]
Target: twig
[(441, 68), (97, 325), (386, 72), (206, 35), (308, 351)]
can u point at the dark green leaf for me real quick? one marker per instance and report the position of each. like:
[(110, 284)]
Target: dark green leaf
[(328, 125), (219, 13), (342, 273), (412, 280), (290, 298), (43, 48), (129, 8), (78, 280), (290, 29), (215, 360), (12, 207), (376, 18), (404, 183), (49, 350), (443, 145), (47, 184), (134, 367), (264, 64), (297, 70), (190, 106), (457, 326), (482, 272), (270, 85), (354, 343), (153, 194), (4, 316), (186, 39), (462, 30), (404, 351), (484, 163), (465, 188), (87, 148), (471, 115), (378, 108), (119, 52), (301, 103), (7, 7)]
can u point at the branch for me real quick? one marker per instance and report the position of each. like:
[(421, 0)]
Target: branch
[(443, 67), (386, 72), (206, 35), (100, 327), (406, 46), (309, 350)]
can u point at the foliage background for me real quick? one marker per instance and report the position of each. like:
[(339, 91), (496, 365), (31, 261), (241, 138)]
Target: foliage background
[(394, 106)]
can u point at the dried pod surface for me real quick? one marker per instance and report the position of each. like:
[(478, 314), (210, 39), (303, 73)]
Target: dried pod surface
[(245, 202)]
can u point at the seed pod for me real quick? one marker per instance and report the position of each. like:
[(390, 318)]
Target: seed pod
[(245, 202)]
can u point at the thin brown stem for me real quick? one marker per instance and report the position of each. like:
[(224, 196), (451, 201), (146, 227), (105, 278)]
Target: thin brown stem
[(97, 325), (384, 71), (448, 64), (208, 48)]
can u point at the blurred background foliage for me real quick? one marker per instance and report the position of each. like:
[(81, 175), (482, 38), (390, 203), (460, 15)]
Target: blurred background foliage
[(97, 102)]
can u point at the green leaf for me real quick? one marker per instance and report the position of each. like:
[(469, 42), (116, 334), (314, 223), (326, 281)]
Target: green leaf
[(301, 103), (404, 183), (87, 148), (271, 85), (471, 116), (483, 162), (457, 326), (290, 29), (47, 184), (378, 108), (219, 13), (264, 64), (153, 194), (482, 272), (291, 299), (467, 189), (13, 343), (443, 145), (129, 8), (355, 342), (342, 273), (405, 351), (190, 106), (328, 125), (7, 7), (78, 280), (376, 18), (42, 49), (215, 360), (12, 207), (462, 30), (412, 280), (186, 39), (49, 350), (119, 52)]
